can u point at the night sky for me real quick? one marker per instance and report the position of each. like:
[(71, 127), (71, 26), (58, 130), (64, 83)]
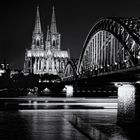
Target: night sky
[(74, 20)]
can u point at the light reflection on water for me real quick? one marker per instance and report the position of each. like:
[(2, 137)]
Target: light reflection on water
[(40, 120), (52, 124), (98, 124)]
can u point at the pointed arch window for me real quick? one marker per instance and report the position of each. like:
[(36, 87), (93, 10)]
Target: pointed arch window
[(37, 42), (40, 65), (53, 42), (29, 63)]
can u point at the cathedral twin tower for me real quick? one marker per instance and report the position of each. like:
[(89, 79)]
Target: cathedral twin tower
[(45, 57)]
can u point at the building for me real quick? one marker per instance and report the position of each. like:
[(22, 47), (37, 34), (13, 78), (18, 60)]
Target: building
[(45, 57)]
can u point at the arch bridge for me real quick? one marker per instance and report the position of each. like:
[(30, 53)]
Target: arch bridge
[(111, 49), (70, 72), (111, 54)]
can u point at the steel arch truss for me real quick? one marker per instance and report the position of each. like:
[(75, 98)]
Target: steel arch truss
[(70, 71), (111, 45)]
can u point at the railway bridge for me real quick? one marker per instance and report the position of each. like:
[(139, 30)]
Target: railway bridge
[(111, 56)]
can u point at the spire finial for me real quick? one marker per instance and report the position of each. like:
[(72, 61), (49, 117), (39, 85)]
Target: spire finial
[(37, 7), (53, 8)]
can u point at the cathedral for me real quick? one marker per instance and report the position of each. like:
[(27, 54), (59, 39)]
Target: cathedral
[(46, 56)]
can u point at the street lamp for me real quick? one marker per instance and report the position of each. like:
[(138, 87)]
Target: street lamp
[(116, 63)]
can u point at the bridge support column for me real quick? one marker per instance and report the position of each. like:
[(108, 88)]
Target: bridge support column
[(69, 90), (128, 104)]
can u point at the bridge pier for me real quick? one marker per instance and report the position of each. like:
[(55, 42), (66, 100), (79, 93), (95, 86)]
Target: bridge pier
[(69, 90), (128, 104)]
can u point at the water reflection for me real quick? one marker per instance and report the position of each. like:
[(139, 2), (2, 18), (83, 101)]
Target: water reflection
[(14, 126), (67, 123), (50, 125), (98, 125), (83, 124)]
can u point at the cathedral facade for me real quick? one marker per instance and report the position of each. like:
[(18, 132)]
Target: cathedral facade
[(45, 57)]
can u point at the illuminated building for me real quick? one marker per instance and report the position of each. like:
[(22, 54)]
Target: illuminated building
[(45, 57)]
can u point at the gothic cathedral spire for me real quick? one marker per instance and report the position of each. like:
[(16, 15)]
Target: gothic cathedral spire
[(53, 22), (48, 34), (55, 36), (37, 28), (48, 38), (37, 38)]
